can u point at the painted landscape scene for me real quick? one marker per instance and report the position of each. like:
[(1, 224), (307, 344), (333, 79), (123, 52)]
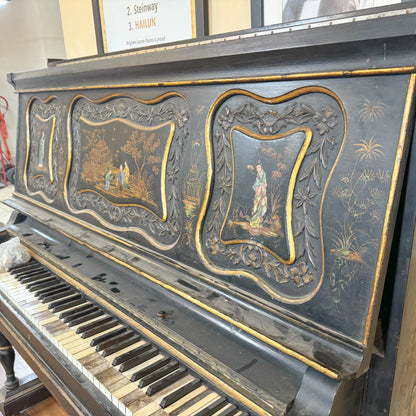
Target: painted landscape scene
[(124, 162)]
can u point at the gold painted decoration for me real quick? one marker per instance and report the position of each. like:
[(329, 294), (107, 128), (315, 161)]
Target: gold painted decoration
[(43, 123), (125, 157), (269, 164)]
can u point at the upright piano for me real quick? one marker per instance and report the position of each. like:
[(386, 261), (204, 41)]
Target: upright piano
[(222, 226)]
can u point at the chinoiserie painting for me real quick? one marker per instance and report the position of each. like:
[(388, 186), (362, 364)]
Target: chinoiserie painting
[(274, 158), (125, 162)]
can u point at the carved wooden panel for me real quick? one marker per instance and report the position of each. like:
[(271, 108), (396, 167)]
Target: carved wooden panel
[(43, 121), (125, 163), (279, 192), (273, 160)]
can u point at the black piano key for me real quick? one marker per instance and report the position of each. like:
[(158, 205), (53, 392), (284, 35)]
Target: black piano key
[(35, 276), (152, 367), (158, 374), (82, 317), (166, 381), (229, 411), (100, 328), (32, 271), (140, 359), (131, 354), (181, 392), (82, 308), (114, 341), (35, 279), (107, 336), (41, 284), (121, 345), (63, 301), (44, 285), (51, 290), (212, 408), (58, 295), (24, 266), (67, 303), (58, 285), (91, 325)]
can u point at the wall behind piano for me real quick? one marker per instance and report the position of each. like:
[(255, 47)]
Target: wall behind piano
[(30, 33)]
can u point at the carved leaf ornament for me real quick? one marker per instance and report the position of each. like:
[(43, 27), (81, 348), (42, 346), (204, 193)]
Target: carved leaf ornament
[(270, 160), (157, 131), (43, 129)]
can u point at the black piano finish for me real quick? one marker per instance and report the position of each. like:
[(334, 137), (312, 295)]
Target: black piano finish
[(246, 186)]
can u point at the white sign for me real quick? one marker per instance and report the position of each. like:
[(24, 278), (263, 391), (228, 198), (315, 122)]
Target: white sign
[(128, 24)]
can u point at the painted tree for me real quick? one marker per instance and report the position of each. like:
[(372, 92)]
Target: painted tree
[(141, 148), (97, 156)]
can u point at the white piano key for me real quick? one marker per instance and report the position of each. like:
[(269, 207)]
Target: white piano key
[(186, 399), (74, 348), (121, 407)]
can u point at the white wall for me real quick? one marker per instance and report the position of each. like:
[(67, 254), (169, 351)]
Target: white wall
[(30, 33)]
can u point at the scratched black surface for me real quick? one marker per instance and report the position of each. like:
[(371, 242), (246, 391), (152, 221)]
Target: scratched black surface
[(347, 280)]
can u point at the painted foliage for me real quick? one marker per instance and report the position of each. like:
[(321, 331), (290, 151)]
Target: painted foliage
[(361, 192), (273, 160), (126, 159)]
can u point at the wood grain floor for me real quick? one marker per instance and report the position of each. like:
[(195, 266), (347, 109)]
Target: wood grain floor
[(48, 407)]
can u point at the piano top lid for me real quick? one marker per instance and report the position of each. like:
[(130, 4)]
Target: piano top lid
[(356, 35)]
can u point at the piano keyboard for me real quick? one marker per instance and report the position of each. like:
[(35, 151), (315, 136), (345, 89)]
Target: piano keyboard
[(129, 370)]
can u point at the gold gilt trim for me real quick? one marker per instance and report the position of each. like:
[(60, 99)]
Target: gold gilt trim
[(204, 207), (162, 176), (387, 219), (289, 200), (227, 389), (193, 18), (103, 30), (231, 80), (7, 348), (156, 100), (280, 347), (50, 143), (51, 178)]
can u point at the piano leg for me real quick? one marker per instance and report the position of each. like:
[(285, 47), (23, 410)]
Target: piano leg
[(7, 361), (15, 396)]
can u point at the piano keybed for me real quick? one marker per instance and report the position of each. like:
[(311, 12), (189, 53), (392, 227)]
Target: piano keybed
[(132, 372)]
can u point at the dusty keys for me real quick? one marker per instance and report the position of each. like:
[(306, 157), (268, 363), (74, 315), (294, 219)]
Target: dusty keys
[(129, 370)]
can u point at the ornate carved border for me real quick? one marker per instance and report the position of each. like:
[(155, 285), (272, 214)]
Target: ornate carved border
[(168, 109), (251, 258), (42, 182)]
